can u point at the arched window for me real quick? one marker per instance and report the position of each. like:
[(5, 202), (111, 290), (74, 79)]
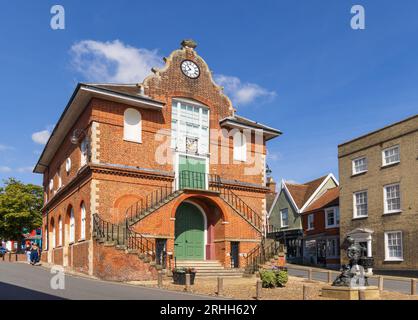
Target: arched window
[(83, 152), (59, 231), (52, 234), (72, 226), (59, 177), (132, 125), (83, 222), (240, 146), (45, 237)]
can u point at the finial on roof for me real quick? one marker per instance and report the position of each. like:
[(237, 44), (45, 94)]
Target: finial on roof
[(188, 43)]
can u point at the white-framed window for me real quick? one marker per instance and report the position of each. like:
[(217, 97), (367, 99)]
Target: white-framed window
[(360, 204), (132, 125), (53, 244), (83, 222), (51, 184), (391, 155), (311, 222), (284, 218), (359, 165), (333, 247), (393, 246), (332, 217), (392, 198), (189, 127), (84, 152), (68, 165), (59, 177), (44, 237), (59, 231), (72, 226), (240, 146)]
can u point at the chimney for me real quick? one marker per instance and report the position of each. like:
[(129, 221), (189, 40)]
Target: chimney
[(271, 184)]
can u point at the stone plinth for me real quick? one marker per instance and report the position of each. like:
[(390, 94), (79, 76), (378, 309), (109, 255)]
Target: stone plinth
[(347, 293)]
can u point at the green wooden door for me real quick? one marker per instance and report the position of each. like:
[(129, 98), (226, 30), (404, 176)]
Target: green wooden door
[(189, 233), (192, 173)]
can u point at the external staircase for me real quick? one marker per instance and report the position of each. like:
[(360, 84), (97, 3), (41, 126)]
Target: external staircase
[(190, 180), (210, 269), (261, 256), (122, 237)]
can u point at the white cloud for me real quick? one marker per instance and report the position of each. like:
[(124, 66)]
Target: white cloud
[(4, 169), (113, 61), (41, 137), (243, 93), (274, 156), (24, 169), (4, 147)]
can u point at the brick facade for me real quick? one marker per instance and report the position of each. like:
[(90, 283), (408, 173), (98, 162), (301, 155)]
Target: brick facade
[(405, 173), (119, 173)]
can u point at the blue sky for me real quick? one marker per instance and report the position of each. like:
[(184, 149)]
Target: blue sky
[(294, 65)]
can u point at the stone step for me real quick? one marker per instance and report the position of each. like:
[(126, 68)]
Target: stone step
[(200, 276), (191, 264), (219, 270), (202, 262)]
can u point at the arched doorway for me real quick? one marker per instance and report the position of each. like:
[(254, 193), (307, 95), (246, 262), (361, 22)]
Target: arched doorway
[(190, 235)]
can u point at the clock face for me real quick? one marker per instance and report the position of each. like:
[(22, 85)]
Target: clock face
[(190, 69)]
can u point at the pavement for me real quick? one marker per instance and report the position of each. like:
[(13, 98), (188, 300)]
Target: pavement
[(389, 284), (25, 282)]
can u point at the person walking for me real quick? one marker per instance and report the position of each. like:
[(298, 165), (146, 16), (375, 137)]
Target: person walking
[(34, 254), (28, 251)]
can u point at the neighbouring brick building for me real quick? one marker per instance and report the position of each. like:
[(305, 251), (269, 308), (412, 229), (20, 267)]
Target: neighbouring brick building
[(285, 216), (321, 232), (151, 173), (379, 195)]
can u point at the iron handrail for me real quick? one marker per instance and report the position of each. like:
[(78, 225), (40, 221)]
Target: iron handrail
[(151, 200), (260, 255), (188, 179), (199, 180), (122, 234), (241, 206), (109, 231), (138, 242)]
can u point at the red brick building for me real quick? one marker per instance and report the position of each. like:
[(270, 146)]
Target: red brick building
[(144, 174), (321, 230)]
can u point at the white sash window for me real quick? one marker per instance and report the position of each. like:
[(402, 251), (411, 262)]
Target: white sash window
[(190, 128), (240, 146), (72, 226)]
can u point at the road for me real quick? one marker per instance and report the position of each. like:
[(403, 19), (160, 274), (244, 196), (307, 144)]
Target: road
[(22, 281), (388, 284)]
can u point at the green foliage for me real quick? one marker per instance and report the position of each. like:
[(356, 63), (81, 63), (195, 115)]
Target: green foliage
[(20, 208), (183, 270), (281, 278), (268, 278), (273, 278)]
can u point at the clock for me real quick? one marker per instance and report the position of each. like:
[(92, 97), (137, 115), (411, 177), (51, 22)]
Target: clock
[(190, 69)]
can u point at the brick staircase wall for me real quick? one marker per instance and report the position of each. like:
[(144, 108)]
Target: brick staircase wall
[(115, 264)]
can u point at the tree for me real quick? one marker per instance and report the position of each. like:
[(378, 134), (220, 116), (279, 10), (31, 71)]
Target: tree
[(20, 209)]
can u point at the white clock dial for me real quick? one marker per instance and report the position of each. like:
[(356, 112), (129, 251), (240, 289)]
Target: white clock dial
[(190, 69)]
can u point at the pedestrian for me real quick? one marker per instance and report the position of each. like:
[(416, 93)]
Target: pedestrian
[(28, 251), (34, 254)]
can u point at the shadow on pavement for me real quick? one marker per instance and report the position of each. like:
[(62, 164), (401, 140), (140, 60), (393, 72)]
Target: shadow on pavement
[(12, 292)]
